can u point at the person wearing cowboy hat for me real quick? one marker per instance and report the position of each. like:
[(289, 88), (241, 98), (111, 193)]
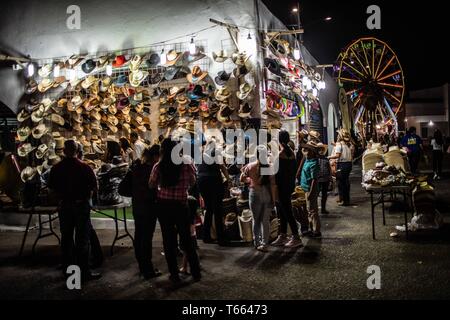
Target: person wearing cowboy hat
[(74, 182), (343, 155), (309, 184)]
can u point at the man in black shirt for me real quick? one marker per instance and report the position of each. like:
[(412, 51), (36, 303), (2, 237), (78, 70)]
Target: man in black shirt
[(73, 182)]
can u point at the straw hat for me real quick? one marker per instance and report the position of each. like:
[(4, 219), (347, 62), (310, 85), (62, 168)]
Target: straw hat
[(239, 58), (245, 110), (220, 57), (23, 115), (244, 91), (41, 151), (89, 81), (135, 63), (45, 70), (45, 85), (39, 131), (196, 75), (137, 77), (222, 94), (23, 133), (172, 58), (28, 173)]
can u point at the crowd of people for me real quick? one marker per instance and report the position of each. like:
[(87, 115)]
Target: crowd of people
[(170, 193)]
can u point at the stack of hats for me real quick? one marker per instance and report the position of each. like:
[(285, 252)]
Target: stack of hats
[(370, 160), (396, 158)]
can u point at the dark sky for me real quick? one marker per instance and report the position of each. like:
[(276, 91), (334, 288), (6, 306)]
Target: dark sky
[(417, 31)]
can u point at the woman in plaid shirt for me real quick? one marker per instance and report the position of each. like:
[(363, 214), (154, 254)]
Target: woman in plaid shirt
[(172, 183)]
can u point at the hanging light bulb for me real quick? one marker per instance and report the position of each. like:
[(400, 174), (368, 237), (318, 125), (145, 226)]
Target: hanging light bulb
[(192, 48), (30, 69), (249, 37), (109, 70), (72, 74), (56, 71), (163, 57), (296, 53)]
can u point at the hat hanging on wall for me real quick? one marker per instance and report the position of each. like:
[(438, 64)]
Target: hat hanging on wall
[(222, 78), (119, 61), (88, 66), (220, 56)]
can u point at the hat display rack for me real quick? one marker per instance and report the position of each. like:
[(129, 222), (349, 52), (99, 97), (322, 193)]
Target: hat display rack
[(291, 85), (106, 95)]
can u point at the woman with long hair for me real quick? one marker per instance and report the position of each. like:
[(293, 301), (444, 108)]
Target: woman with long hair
[(285, 180), (343, 154), (262, 196), (438, 153), (144, 209), (172, 182)]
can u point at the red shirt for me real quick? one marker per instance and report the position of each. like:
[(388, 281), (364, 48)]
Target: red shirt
[(72, 180), (177, 192)]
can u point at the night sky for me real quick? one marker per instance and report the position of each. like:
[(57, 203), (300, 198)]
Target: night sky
[(417, 32)]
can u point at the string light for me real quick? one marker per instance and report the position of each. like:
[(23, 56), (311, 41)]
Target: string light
[(109, 70), (56, 71), (192, 48), (163, 57), (30, 69)]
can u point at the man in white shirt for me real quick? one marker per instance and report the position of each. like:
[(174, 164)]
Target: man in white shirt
[(138, 145)]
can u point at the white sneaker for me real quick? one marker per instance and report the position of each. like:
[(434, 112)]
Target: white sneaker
[(280, 241), (294, 242), (263, 248)]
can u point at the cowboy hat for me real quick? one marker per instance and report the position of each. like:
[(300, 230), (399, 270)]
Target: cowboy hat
[(135, 63), (41, 151), (224, 114), (102, 61), (56, 118), (47, 103), (45, 70), (73, 61), (62, 103), (245, 110), (222, 78), (240, 71), (220, 57), (153, 61), (197, 75), (239, 58), (31, 87), (75, 102), (28, 174), (190, 58), (196, 93), (39, 131), (121, 80), (91, 103), (272, 113), (96, 114), (314, 135), (97, 147), (244, 91), (107, 102), (174, 91), (88, 66), (170, 73), (172, 58), (23, 133), (323, 149), (59, 143), (155, 79), (119, 61), (89, 81), (45, 85), (222, 94), (311, 145), (25, 149), (137, 77), (105, 83), (112, 109), (23, 115), (273, 66), (38, 114)]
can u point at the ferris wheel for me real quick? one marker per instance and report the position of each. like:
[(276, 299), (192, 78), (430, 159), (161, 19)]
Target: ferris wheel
[(372, 77)]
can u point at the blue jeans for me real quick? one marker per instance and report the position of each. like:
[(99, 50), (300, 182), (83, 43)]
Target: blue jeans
[(260, 202)]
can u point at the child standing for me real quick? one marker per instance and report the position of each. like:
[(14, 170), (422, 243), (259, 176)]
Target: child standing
[(309, 184)]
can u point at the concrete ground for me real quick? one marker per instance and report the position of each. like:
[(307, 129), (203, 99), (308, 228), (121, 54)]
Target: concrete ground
[(332, 268)]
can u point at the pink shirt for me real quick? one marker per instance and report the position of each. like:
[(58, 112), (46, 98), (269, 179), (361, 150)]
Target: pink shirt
[(251, 171)]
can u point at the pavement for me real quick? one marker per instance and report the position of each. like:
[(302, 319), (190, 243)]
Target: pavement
[(334, 267)]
